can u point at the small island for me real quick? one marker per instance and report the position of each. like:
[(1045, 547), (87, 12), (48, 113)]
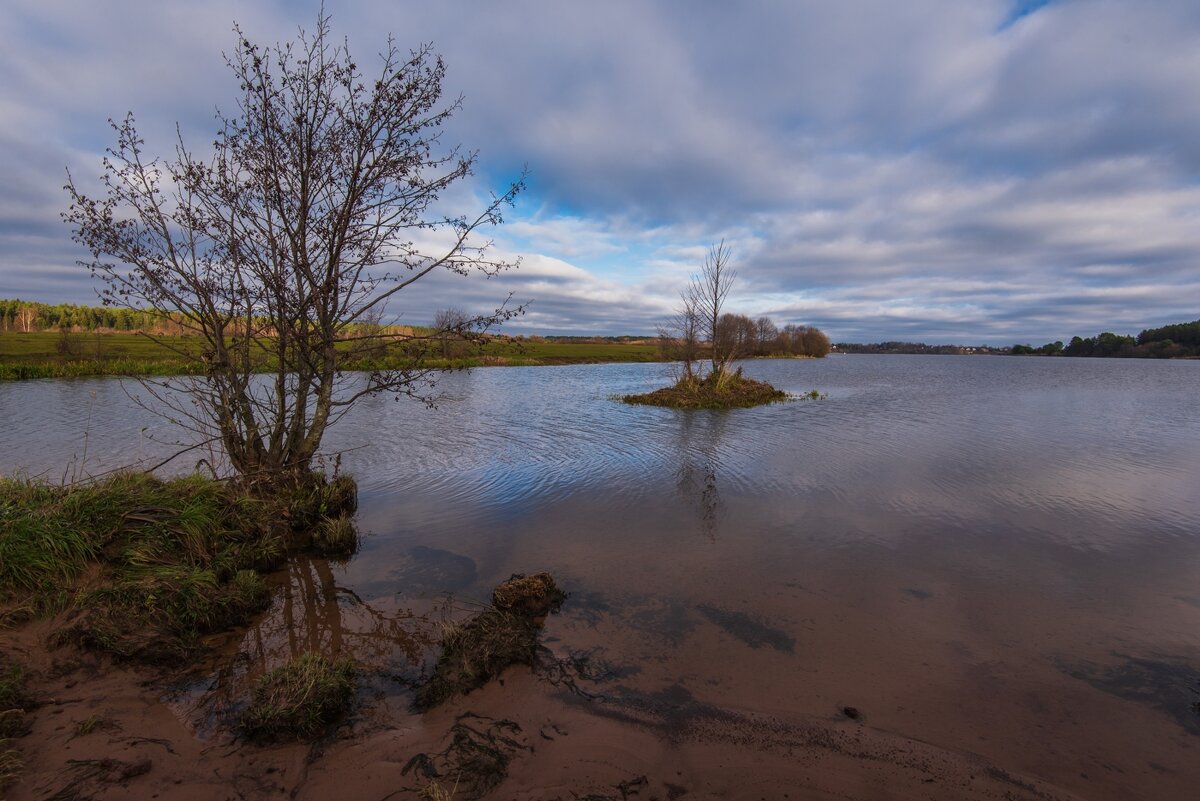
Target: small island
[(700, 324), (711, 392)]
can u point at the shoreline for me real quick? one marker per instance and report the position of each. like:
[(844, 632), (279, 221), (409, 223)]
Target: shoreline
[(108, 716)]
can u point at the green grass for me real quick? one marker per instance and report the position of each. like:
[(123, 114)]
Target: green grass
[(301, 699), (43, 355), (143, 567)]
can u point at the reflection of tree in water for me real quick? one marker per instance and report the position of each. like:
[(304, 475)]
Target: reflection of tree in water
[(312, 613), (309, 612), (699, 440)]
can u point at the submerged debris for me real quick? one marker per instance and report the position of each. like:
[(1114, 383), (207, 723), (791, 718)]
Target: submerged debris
[(476, 760), (477, 650), (535, 595)]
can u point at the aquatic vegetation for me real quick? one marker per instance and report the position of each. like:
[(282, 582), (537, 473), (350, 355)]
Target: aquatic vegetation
[(301, 699)]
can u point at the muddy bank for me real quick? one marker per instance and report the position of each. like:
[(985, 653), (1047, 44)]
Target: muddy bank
[(583, 717)]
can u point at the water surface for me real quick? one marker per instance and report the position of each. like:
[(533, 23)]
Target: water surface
[(997, 556)]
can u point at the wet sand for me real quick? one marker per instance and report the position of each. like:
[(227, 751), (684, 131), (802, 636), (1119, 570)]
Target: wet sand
[(664, 744)]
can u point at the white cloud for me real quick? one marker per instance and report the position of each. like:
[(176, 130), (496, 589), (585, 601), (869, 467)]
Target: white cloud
[(889, 170)]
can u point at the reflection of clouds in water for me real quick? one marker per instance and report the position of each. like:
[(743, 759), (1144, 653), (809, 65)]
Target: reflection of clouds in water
[(1070, 450)]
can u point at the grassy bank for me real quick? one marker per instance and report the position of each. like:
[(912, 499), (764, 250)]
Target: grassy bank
[(140, 568), (55, 355)]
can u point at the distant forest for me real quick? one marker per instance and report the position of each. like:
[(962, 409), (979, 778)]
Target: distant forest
[(28, 316), (917, 347), (1178, 341)]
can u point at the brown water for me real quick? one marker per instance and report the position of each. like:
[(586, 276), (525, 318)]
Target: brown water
[(994, 561)]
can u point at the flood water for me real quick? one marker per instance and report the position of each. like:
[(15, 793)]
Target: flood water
[(994, 558)]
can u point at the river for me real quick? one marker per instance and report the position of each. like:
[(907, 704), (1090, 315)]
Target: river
[(994, 559)]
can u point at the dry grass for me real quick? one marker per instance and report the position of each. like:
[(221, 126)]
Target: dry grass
[(300, 700), (436, 791)]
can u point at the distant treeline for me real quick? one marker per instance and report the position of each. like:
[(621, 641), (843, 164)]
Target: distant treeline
[(583, 340), (916, 347), (1179, 341), (29, 316)]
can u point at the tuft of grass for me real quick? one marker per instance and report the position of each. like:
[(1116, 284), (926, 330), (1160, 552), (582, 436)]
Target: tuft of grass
[(14, 701), (335, 536), (436, 791), (301, 699), (315, 498), (10, 764), (714, 391)]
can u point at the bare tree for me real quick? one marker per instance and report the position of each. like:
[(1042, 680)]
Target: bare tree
[(451, 325), (707, 294), (766, 333), (679, 337), (313, 209)]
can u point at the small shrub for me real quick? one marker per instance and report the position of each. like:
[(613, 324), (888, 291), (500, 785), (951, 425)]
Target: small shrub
[(300, 699)]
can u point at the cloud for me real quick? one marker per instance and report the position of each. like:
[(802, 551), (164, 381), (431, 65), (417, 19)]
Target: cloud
[(988, 171)]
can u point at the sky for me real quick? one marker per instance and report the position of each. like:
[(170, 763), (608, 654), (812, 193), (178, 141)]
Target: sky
[(946, 171)]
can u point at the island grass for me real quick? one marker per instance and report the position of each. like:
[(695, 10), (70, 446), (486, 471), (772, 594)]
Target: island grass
[(142, 568), (300, 700), (714, 391)]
